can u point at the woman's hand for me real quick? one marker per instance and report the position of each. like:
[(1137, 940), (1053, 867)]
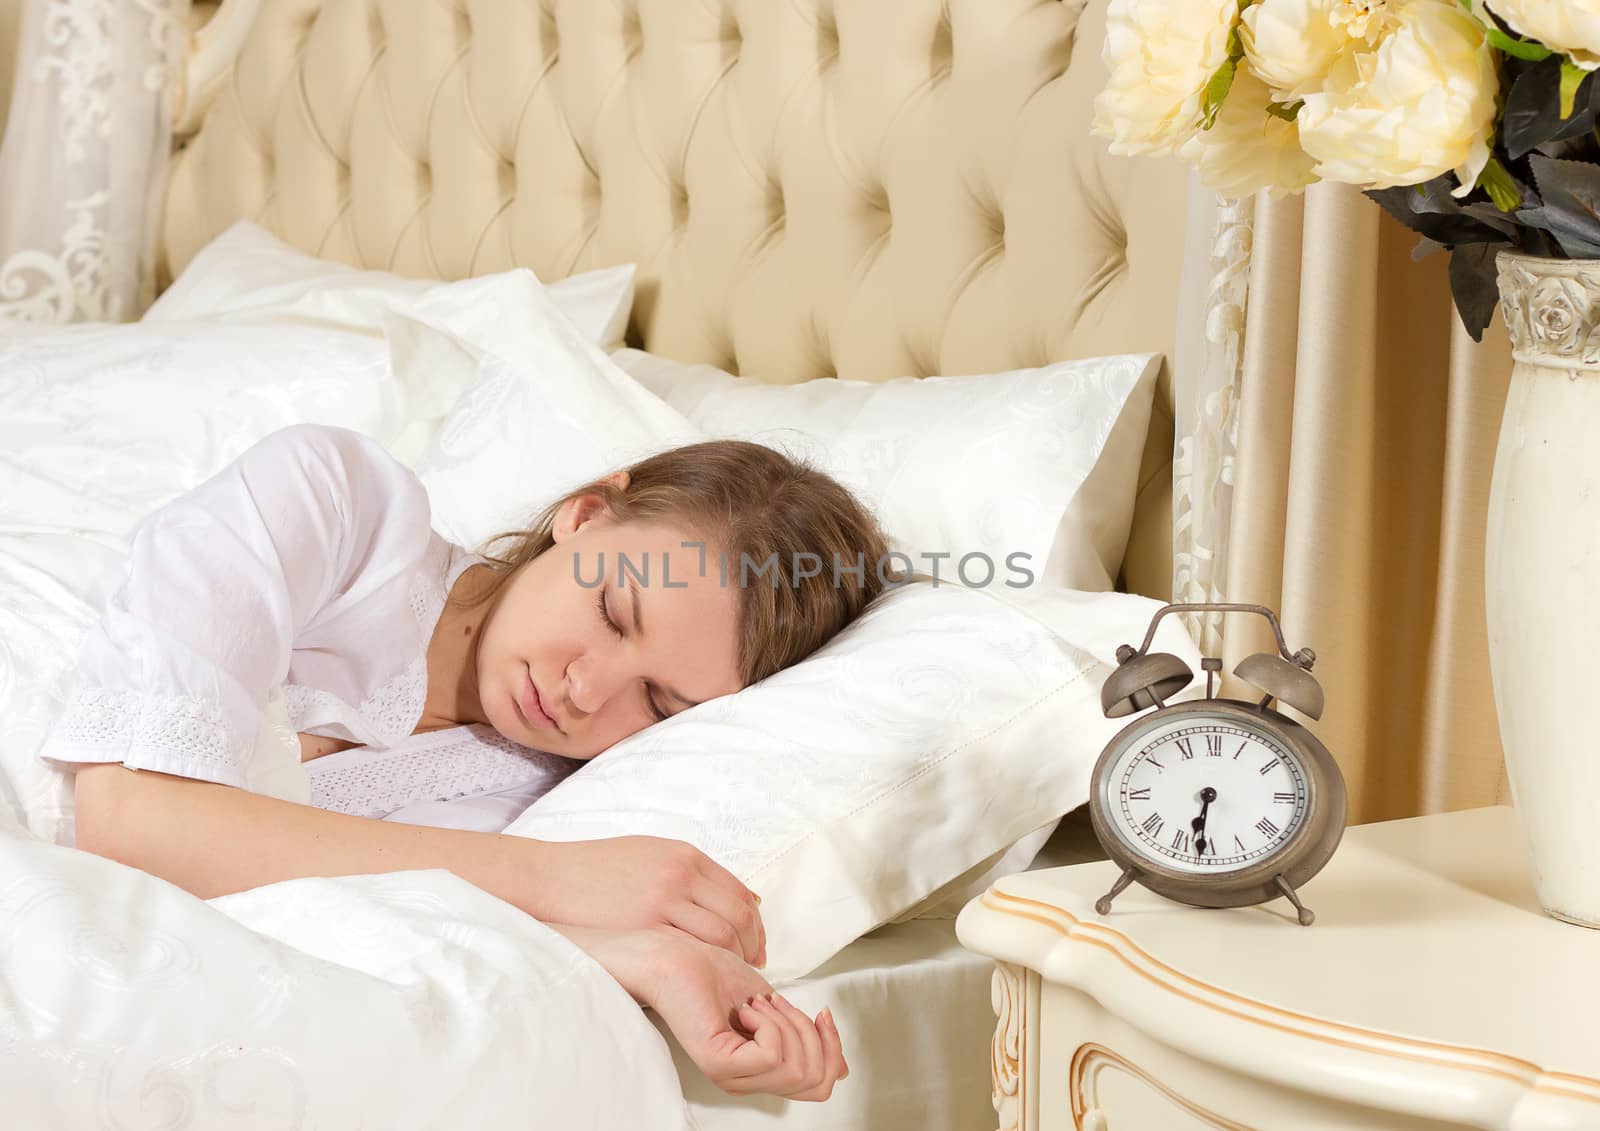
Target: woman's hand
[(639, 882), (744, 1037)]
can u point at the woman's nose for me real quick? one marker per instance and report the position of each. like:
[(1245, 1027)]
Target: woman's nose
[(591, 681)]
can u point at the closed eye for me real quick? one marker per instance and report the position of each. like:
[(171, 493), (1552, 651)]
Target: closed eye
[(605, 615)]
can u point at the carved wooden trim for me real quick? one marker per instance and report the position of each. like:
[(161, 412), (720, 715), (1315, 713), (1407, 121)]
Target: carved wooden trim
[(1008, 994), (1091, 1061)]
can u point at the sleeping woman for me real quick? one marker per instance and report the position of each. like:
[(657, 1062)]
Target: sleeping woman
[(309, 565)]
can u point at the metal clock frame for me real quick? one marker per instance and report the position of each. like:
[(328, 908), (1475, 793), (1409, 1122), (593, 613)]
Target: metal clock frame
[(1279, 872)]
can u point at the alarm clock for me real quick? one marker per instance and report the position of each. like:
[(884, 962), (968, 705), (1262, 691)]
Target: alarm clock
[(1215, 802)]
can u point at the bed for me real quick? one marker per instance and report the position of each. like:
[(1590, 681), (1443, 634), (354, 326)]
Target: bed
[(809, 189)]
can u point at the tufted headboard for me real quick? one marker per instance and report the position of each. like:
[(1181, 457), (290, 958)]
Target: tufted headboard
[(810, 188)]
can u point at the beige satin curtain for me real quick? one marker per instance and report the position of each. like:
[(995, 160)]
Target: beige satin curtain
[(1366, 429)]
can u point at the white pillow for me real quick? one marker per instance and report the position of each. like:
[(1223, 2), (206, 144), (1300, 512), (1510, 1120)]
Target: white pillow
[(247, 273), (543, 410), (936, 730), (1044, 462)]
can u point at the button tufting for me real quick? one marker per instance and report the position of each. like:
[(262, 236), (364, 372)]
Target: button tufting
[(632, 32), (680, 204), (827, 35), (942, 51)]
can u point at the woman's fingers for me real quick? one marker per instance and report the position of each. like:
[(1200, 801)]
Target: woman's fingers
[(739, 914), (813, 1059), (779, 1078), (833, 1056), (726, 896), (707, 926), (759, 1058), (791, 1075)]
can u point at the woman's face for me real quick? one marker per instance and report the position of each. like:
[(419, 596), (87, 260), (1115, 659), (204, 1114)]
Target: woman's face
[(678, 644)]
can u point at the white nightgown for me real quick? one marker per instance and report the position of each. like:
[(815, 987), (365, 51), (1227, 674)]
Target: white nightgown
[(295, 590)]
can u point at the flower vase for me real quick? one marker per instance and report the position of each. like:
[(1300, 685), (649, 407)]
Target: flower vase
[(1542, 570)]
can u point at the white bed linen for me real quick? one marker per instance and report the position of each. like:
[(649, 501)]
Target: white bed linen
[(403, 1000)]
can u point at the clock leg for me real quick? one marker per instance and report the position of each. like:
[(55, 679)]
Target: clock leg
[(1307, 916), (1103, 904)]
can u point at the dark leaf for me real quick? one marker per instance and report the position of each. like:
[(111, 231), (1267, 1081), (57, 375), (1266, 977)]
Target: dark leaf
[(1449, 227), (1425, 247), (1571, 211), (1475, 287), (1532, 113), (1535, 240)]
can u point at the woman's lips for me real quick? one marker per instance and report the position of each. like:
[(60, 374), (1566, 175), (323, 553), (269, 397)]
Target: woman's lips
[(533, 712)]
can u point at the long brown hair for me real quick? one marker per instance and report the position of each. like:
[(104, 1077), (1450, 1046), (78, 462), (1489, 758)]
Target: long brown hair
[(752, 504)]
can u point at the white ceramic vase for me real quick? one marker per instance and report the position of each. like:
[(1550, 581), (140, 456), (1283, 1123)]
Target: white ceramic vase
[(1543, 573)]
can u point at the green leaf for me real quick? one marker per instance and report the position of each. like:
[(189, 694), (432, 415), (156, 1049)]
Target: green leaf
[(1497, 182), (1216, 91), (1521, 48), (1571, 76), (1288, 111)]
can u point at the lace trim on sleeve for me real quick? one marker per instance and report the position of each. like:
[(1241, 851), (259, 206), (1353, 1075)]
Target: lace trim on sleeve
[(117, 722)]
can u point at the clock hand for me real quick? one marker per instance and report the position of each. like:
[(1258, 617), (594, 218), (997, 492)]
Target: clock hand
[(1207, 796)]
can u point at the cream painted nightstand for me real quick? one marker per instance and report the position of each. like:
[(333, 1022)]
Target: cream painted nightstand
[(1430, 994)]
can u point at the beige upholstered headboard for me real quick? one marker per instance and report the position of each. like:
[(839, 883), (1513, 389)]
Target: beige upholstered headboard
[(810, 188)]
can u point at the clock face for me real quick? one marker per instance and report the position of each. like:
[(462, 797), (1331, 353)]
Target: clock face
[(1205, 795)]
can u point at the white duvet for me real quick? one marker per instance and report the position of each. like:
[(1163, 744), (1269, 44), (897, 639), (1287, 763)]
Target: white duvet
[(405, 1000)]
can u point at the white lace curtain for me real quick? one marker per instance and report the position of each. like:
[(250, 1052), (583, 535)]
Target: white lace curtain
[(84, 157), (1209, 372)]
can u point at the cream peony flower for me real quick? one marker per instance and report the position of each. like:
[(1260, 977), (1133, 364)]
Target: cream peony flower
[(1161, 54), (1418, 103), (1293, 44), (1248, 149), (1571, 27)]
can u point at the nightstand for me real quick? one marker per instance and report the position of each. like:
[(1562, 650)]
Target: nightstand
[(1430, 993)]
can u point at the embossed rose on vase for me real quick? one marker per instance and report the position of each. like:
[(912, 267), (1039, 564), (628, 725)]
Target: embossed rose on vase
[(1560, 314)]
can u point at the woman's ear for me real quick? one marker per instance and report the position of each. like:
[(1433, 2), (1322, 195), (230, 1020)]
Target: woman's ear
[(577, 512)]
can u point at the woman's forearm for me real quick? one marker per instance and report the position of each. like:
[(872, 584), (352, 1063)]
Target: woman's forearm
[(214, 840)]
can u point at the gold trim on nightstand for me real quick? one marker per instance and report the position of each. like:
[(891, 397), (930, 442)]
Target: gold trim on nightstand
[(1090, 1060), (1435, 1054), (1008, 994)]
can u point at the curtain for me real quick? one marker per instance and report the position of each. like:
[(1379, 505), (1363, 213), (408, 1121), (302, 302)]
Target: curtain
[(84, 155), (1335, 467)]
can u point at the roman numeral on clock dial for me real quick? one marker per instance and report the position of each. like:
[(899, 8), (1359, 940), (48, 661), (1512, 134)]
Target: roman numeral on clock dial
[(1266, 828)]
